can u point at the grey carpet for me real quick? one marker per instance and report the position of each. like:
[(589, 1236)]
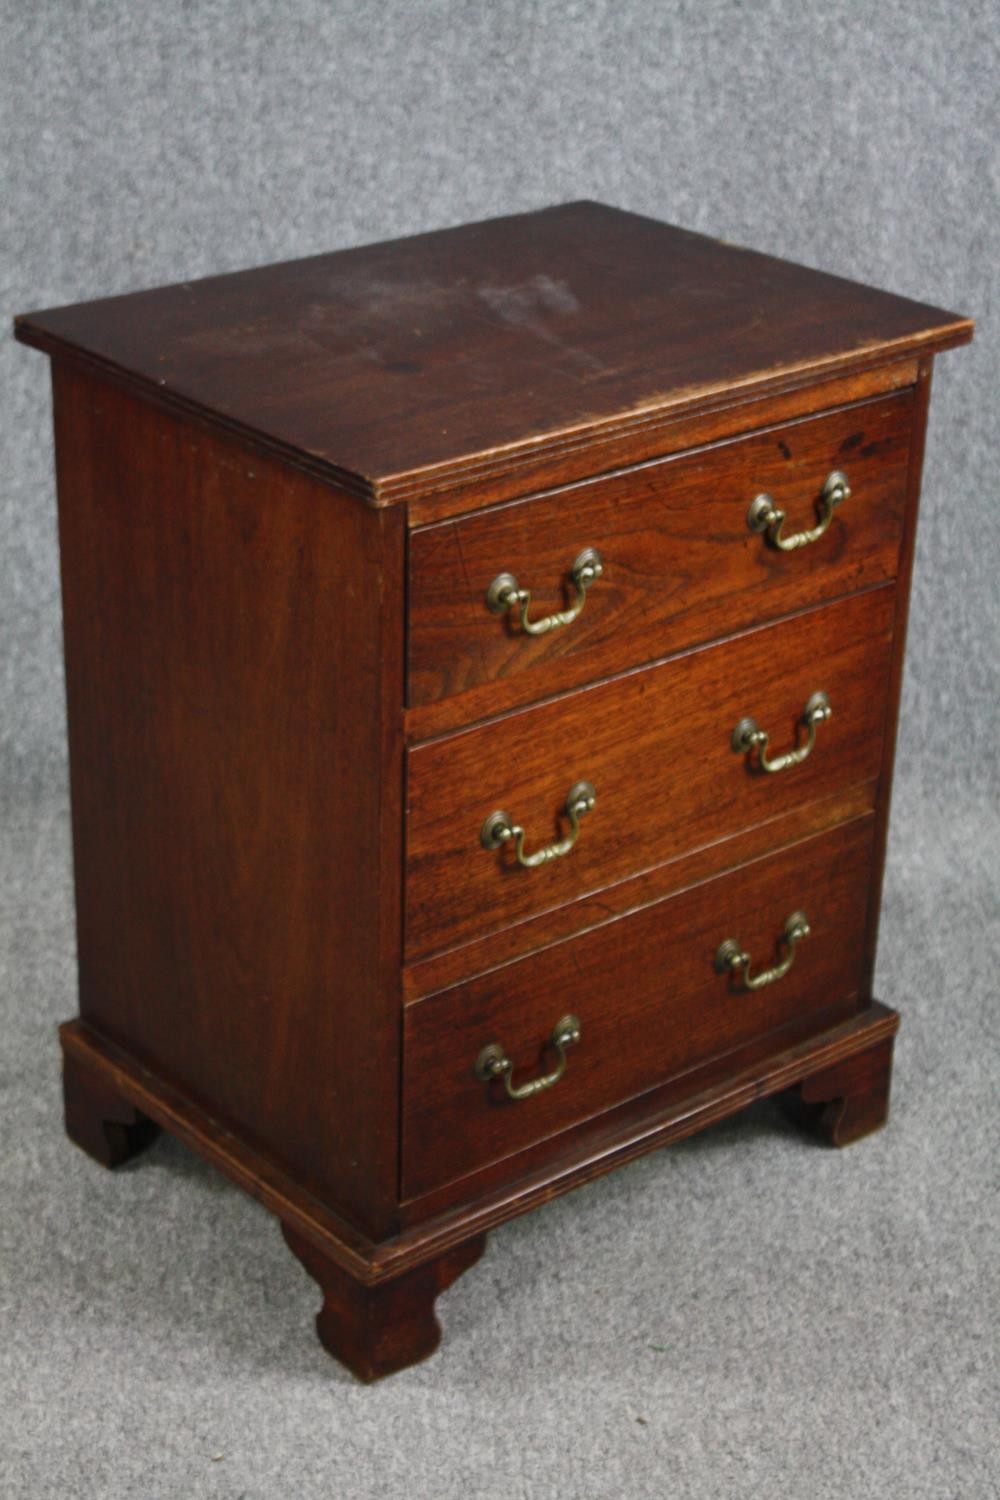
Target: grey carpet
[(744, 1314)]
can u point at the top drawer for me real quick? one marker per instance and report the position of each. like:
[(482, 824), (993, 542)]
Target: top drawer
[(680, 562)]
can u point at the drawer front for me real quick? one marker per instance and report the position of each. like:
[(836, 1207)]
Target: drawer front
[(649, 997), (680, 564), (657, 747)]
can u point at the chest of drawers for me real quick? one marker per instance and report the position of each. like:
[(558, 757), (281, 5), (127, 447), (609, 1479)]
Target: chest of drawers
[(482, 654)]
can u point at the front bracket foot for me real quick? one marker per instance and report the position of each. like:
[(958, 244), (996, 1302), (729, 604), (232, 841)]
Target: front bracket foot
[(378, 1329)]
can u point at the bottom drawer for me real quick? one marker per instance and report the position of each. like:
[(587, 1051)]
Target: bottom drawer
[(652, 996)]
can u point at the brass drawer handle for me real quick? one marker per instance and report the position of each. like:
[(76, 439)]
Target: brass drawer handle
[(764, 515), (731, 959), (748, 736), (500, 827), (493, 1062), (506, 593)]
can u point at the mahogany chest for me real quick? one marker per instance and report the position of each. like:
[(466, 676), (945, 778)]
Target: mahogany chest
[(483, 653)]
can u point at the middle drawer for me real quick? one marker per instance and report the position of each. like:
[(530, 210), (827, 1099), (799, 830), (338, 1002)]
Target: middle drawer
[(661, 749)]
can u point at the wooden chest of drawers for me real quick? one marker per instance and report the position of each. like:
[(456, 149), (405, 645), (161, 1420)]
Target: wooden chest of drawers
[(483, 654)]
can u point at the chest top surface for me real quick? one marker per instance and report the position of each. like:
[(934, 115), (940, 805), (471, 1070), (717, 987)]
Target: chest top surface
[(396, 367)]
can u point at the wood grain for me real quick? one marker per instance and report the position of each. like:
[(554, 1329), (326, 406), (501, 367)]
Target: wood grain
[(649, 1001), (440, 971), (656, 745), (403, 368), (680, 563), (234, 677), (724, 417)]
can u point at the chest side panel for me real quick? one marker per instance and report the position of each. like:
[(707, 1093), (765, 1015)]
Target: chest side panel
[(233, 675)]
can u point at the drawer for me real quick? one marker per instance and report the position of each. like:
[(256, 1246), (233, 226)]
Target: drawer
[(649, 998), (680, 563), (656, 745)]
